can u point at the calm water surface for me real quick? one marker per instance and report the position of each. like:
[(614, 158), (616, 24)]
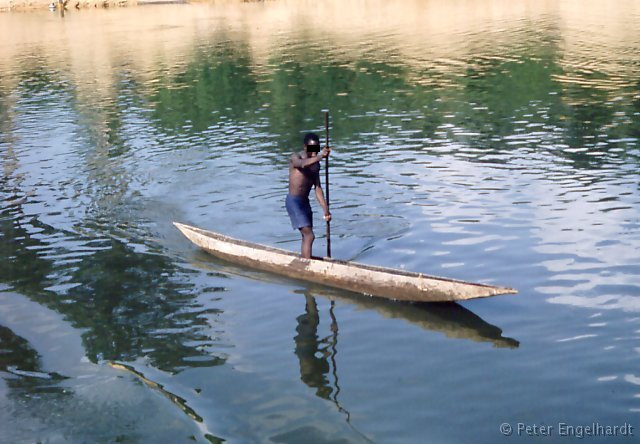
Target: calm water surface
[(489, 141)]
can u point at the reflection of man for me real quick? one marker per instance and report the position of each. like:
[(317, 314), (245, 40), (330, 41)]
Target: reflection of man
[(313, 369), (304, 172)]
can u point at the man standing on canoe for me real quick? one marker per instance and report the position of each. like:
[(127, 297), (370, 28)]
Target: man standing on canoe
[(304, 172)]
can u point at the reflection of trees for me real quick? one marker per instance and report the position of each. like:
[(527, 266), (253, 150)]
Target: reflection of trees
[(300, 90), (102, 125), (635, 109), (21, 263), (491, 96), (51, 101), (133, 308), (214, 84), (22, 266), (38, 78), (21, 361), (588, 115), (504, 91), (220, 81), (17, 352), (131, 304), (220, 78)]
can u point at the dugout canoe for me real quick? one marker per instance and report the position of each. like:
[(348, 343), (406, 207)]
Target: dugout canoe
[(367, 279)]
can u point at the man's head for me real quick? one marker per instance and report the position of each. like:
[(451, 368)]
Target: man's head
[(311, 143)]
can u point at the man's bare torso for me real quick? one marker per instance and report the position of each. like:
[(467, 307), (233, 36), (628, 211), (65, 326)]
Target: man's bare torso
[(302, 179)]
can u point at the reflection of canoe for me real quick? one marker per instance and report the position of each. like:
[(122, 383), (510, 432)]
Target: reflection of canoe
[(453, 320), (377, 281), (449, 318)]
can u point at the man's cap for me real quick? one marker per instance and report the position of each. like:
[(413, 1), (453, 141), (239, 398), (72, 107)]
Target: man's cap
[(311, 137)]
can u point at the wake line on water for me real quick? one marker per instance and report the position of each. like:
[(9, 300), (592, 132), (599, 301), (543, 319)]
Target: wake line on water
[(175, 399)]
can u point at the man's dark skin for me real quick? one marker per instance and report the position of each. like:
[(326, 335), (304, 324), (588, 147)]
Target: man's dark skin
[(304, 172)]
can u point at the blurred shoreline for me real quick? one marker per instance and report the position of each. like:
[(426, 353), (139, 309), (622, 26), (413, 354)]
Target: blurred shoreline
[(34, 5), (56, 5)]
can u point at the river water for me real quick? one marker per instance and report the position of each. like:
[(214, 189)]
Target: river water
[(491, 141)]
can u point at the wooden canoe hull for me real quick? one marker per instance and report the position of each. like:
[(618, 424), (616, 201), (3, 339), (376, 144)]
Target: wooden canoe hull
[(376, 281)]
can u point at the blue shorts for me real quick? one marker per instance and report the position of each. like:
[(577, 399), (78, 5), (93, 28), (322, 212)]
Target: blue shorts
[(299, 210)]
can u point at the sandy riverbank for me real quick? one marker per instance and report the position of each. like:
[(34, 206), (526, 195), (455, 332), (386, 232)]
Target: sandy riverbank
[(29, 5)]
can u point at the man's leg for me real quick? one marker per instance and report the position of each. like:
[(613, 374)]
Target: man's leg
[(307, 241)]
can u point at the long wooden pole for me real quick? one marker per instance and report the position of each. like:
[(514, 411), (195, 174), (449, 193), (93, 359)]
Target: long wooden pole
[(326, 180)]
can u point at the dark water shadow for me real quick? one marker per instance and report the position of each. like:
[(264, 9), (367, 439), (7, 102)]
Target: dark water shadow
[(22, 370)]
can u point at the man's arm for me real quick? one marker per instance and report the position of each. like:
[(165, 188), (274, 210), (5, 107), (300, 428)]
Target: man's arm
[(300, 162), (320, 198)]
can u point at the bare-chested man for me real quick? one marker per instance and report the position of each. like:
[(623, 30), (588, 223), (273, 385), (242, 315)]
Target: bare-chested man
[(304, 172)]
